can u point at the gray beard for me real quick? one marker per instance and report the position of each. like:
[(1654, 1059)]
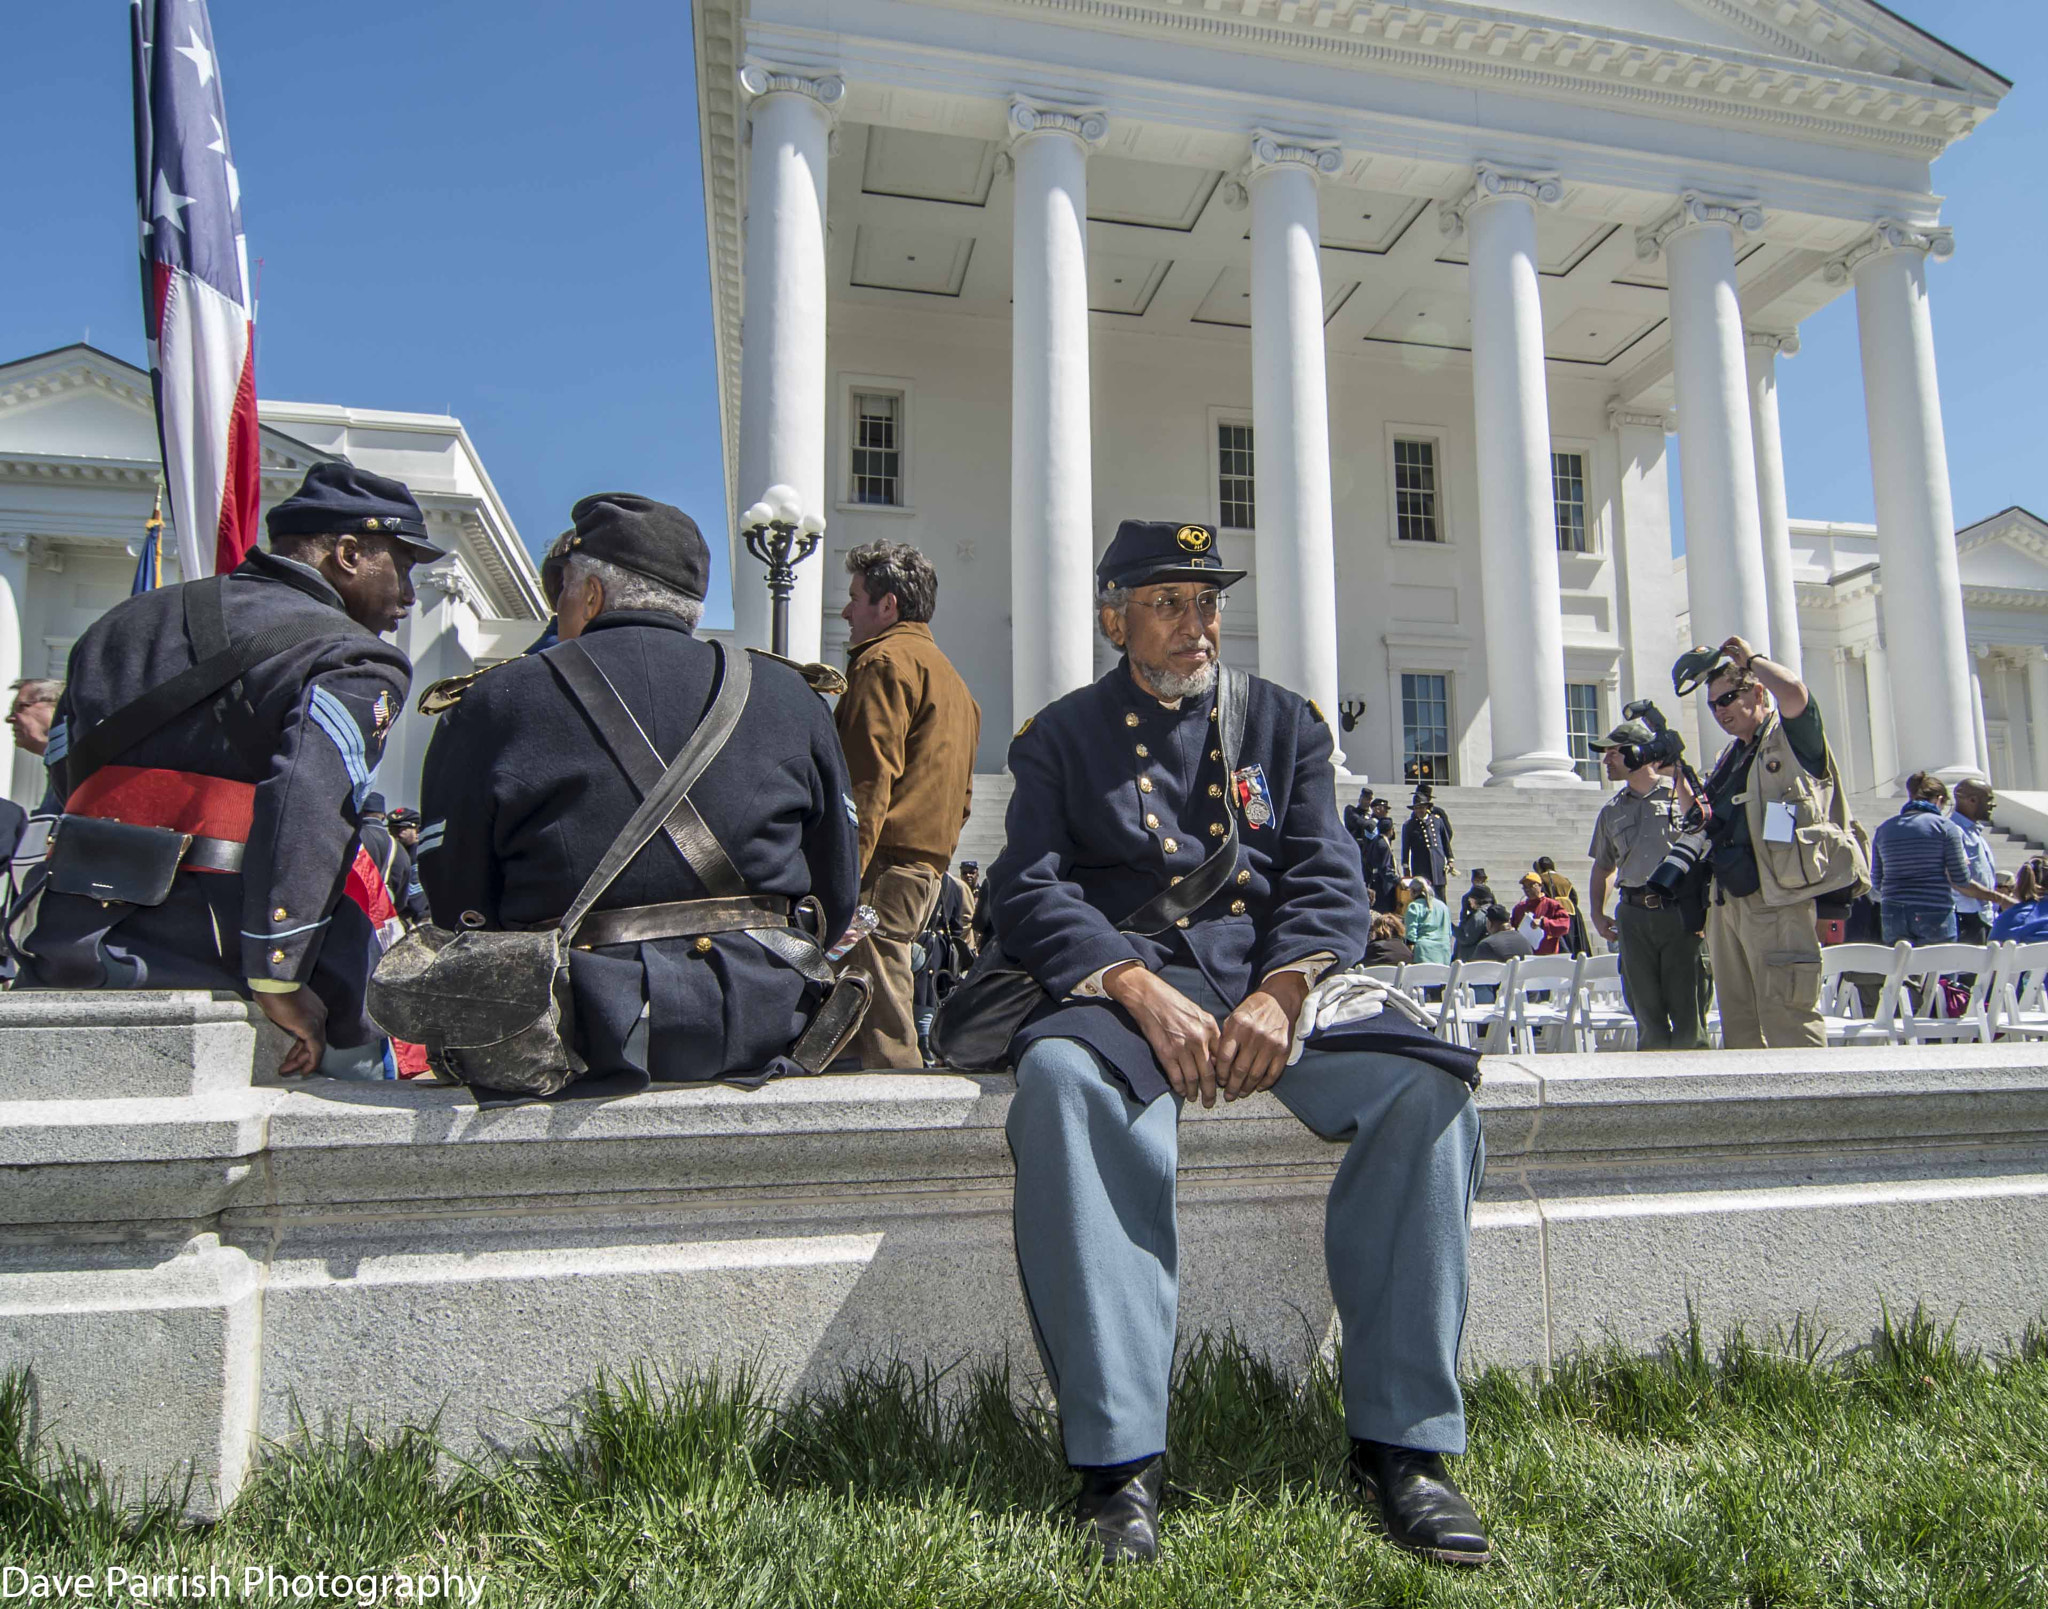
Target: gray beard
[(1171, 685)]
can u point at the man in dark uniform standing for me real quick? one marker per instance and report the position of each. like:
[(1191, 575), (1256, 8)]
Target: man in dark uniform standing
[(524, 794), (1123, 790), (268, 771)]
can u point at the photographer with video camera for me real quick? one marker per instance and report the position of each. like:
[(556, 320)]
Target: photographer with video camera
[(1657, 923), (1779, 838)]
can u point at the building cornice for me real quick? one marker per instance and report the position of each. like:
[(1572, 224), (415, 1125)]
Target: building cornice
[(1502, 50), (717, 27)]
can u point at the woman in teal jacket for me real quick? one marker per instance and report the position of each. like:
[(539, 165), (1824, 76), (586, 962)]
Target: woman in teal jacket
[(1426, 922)]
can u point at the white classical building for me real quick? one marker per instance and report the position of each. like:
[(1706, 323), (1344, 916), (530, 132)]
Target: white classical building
[(1404, 297), (79, 469)]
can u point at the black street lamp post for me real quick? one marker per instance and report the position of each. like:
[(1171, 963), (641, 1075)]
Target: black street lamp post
[(781, 537)]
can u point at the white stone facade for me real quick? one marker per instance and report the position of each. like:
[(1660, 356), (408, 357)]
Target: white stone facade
[(79, 469), (1036, 262)]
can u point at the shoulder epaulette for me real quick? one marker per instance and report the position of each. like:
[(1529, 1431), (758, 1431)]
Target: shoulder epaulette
[(823, 679), (437, 698)]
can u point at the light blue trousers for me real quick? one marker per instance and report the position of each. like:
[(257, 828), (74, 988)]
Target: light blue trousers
[(1098, 1247)]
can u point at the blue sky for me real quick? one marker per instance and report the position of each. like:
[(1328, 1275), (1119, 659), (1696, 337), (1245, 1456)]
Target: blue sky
[(491, 208)]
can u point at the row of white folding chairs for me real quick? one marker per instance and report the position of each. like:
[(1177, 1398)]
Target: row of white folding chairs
[(1539, 1002), (2005, 995)]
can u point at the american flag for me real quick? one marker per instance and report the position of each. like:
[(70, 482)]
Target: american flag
[(196, 301)]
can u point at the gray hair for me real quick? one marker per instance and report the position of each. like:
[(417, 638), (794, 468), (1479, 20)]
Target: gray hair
[(1117, 600), (38, 689), (627, 589)]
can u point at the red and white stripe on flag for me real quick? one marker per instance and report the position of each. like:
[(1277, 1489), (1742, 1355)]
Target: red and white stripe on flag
[(197, 304)]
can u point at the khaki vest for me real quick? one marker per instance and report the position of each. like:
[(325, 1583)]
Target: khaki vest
[(1826, 854)]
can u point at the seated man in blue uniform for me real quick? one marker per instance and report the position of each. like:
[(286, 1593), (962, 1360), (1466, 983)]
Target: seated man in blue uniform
[(1122, 791), (524, 793), (267, 769)]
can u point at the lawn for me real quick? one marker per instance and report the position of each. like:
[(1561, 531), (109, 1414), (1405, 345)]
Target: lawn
[(1905, 1471)]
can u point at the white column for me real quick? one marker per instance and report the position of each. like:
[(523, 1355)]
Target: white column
[(1646, 591), (782, 336), (1838, 705), (1781, 599), (1296, 543), (2037, 714), (1916, 528), (1717, 459), (14, 552), (1518, 588), (1884, 750), (1979, 730), (1052, 488)]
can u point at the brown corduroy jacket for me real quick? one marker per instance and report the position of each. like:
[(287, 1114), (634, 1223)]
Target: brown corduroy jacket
[(909, 727)]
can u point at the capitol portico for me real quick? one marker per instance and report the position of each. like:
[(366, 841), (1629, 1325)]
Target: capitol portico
[(1407, 299)]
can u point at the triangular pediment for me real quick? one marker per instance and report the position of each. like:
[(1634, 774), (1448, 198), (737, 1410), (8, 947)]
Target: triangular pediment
[(2009, 551), (80, 402), (1674, 20)]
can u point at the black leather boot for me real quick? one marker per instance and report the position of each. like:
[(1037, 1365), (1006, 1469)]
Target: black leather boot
[(1118, 1509), (1419, 1506)]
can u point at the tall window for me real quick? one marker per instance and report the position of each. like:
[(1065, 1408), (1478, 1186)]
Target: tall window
[(1582, 723), (1415, 492), (1425, 727), (878, 447), (1568, 490), (1236, 505)]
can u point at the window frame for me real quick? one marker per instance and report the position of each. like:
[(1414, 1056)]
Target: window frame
[(850, 386), (1216, 419), (1450, 749), (1596, 525), (1591, 760), (1437, 438), (1585, 500)]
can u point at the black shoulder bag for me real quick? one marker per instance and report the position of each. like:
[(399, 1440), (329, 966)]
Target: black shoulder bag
[(977, 1020), (494, 1009), (126, 862)]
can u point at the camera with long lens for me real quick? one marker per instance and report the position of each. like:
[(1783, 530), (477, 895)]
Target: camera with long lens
[(1683, 868)]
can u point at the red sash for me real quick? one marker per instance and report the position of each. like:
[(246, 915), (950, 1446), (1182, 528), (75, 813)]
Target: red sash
[(184, 801)]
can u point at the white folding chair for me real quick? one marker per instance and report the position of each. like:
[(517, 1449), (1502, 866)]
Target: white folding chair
[(1922, 1004), (1846, 971), (1389, 975), (1601, 1019), (2018, 1004), (1465, 1019), (1415, 977), (1533, 1024)]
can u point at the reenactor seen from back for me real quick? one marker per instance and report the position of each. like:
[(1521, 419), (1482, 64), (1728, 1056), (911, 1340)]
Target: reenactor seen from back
[(1176, 879), (532, 773), (212, 752)]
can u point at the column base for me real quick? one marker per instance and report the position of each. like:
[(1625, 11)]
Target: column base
[(1535, 771)]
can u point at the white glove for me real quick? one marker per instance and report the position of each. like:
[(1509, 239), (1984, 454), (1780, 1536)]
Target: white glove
[(1344, 998)]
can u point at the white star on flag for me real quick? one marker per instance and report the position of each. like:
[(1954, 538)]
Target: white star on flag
[(220, 144), (167, 203), (201, 57)]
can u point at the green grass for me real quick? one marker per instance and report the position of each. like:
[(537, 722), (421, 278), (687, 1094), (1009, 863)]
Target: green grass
[(1906, 1472)]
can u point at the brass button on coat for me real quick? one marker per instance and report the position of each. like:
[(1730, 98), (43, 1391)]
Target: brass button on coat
[(1237, 907), (703, 944), (1171, 846), (1215, 790), (1181, 922), (1173, 881), (1151, 821), (1215, 829), (1143, 752), (1144, 784), (277, 958), (1131, 719), (1215, 754), (1244, 876), (279, 914)]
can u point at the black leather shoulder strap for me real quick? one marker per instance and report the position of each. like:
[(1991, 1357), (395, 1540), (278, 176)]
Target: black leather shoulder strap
[(219, 661), (642, 763), (1207, 880)]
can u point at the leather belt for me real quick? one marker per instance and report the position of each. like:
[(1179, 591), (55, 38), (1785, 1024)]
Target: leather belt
[(213, 855), (681, 919), (1648, 898)]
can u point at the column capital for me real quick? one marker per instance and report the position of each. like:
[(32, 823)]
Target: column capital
[(1088, 124), (1491, 183), (1784, 345), (1889, 235), (17, 543), (1620, 413), (1697, 210), (1271, 150), (759, 78)]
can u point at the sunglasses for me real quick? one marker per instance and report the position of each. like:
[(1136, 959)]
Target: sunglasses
[(1727, 698)]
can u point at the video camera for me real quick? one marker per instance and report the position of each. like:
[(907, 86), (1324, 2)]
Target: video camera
[(1666, 747)]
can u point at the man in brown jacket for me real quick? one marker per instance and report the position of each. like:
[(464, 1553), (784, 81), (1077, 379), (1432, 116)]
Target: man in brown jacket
[(909, 727)]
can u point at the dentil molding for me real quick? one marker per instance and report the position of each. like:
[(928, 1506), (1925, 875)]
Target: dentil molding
[(1491, 183), (1697, 210), (1889, 235)]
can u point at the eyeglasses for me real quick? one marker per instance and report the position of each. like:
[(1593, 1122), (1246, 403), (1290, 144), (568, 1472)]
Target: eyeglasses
[(1173, 607), (1727, 698)]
